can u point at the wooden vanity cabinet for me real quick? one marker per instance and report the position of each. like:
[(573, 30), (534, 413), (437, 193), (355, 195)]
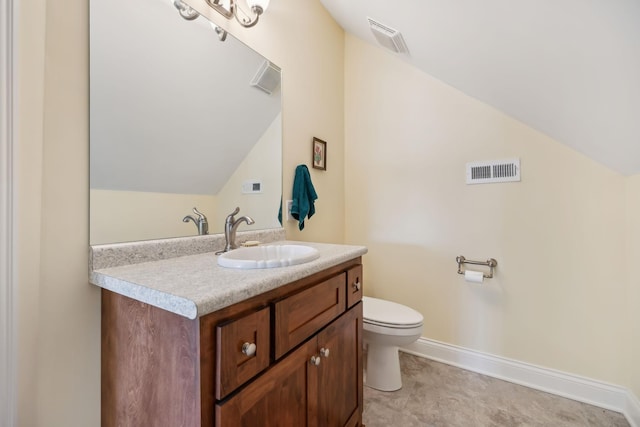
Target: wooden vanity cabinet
[(303, 369), (317, 385)]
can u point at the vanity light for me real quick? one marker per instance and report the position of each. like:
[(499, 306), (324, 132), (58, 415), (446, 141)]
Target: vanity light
[(229, 9), (222, 34), (186, 11)]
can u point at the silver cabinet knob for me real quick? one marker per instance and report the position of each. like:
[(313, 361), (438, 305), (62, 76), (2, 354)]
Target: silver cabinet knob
[(315, 360), (356, 285), (324, 352), (249, 349)]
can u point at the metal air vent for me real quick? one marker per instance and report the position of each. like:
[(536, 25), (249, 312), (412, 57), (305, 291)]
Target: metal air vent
[(267, 77), (493, 171), (388, 37)]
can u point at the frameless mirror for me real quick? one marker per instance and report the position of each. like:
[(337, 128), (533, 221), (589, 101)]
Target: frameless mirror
[(178, 119)]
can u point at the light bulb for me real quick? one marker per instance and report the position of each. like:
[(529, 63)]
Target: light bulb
[(262, 4)]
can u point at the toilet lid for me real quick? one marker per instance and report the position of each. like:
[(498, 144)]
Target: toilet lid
[(382, 312)]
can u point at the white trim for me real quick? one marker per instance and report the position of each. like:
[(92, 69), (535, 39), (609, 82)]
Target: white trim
[(574, 387), (632, 410), (7, 116)]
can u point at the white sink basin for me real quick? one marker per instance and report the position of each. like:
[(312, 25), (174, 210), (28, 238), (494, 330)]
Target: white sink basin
[(268, 256)]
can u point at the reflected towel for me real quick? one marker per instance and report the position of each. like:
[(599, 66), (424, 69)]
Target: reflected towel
[(304, 196)]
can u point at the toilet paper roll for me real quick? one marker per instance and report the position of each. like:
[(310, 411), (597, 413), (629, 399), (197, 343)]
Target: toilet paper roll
[(473, 276)]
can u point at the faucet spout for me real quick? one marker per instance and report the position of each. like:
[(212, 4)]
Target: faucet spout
[(231, 226)]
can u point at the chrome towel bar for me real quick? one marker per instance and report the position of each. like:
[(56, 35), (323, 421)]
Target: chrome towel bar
[(491, 263)]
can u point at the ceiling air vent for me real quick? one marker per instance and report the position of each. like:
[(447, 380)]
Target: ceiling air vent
[(388, 37), (493, 171), (267, 77)]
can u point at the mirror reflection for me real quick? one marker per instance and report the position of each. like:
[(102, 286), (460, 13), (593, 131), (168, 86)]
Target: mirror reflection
[(178, 119)]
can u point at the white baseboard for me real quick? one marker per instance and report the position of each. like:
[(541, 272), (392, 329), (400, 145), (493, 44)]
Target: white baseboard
[(574, 387), (632, 410)]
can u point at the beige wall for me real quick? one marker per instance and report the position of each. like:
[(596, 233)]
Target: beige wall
[(58, 311), (560, 296), (633, 230), (117, 216), (262, 207), (29, 132)]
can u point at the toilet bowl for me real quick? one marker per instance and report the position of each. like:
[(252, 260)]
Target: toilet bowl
[(386, 326)]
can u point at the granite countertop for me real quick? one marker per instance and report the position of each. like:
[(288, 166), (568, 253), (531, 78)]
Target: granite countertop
[(195, 285)]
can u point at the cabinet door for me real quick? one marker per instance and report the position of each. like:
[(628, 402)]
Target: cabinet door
[(278, 398), (339, 384)]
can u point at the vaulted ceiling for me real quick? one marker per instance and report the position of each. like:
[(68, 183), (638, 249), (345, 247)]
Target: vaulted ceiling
[(569, 68)]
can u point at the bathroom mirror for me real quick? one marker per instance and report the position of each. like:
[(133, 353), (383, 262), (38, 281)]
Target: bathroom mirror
[(178, 119)]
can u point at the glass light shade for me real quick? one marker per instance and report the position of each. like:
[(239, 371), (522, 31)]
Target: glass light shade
[(260, 3)]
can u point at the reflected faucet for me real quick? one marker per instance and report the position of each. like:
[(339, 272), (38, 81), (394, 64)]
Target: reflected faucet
[(230, 226), (201, 223)]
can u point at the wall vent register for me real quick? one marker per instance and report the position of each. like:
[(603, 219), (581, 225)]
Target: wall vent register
[(493, 171)]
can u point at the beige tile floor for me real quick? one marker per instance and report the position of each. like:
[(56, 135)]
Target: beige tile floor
[(439, 395)]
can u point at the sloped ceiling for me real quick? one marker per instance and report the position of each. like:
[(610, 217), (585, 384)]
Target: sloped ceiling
[(569, 68), (171, 109)]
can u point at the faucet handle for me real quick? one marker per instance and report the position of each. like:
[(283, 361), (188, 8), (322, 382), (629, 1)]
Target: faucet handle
[(230, 217), (201, 216)]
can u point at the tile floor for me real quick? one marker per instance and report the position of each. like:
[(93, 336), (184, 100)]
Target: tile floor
[(439, 395)]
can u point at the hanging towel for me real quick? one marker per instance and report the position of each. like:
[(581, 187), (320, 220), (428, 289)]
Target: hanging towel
[(304, 196)]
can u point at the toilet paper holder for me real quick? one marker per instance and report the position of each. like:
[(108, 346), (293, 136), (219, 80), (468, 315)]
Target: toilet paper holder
[(491, 263)]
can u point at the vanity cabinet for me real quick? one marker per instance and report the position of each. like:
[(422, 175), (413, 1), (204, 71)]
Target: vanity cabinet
[(289, 357), (316, 385)]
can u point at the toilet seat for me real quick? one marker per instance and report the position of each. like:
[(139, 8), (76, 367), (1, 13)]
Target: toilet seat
[(392, 325), (389, 314)]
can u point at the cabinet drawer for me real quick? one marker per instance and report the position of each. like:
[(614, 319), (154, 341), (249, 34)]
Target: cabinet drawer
[(243, 350), (301, 315), (354, 285)]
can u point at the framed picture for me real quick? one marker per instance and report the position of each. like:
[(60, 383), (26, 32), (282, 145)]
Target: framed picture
[(319, 159)]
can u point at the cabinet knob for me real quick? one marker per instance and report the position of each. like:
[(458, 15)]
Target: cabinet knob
[(315, 360), (248, 349), (356, 285), (324, 352)]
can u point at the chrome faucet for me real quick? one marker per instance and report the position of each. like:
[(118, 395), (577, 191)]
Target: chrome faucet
[(201, 223), (230, 226)]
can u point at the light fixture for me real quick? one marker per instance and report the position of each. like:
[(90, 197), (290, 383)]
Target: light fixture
[(186, 11), (230, 9), (222, 34)]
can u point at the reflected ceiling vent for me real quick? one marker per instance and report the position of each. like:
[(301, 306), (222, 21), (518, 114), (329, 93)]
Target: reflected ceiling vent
[(388, 37), (267, 79)]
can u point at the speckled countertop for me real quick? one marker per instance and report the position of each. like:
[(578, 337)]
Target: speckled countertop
[(195, 285)]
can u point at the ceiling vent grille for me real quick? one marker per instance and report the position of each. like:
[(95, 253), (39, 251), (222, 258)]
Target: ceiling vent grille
[(493, 171), (388, 37), (267, 77)]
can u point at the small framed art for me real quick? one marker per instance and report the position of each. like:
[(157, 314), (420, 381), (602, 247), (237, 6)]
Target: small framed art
[(319, 154)]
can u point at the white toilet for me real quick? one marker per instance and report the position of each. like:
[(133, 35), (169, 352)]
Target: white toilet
[(387, 325)]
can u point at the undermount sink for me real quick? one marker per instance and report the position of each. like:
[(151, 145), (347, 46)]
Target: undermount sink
[(268, 256)]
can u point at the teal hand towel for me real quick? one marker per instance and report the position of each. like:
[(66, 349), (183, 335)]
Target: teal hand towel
[(304, 196)]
